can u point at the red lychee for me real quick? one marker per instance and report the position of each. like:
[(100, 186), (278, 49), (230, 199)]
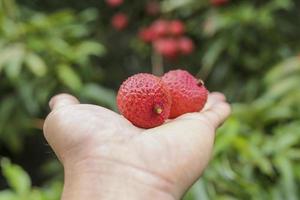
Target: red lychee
[(160, 28), (146, 34), (185, 45), (219, 2), (114, 3), (188, 94), (119, 21), (144, 100), (176, 27), (166, 47)]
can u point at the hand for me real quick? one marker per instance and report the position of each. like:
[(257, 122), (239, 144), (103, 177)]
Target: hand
[(106, 157)]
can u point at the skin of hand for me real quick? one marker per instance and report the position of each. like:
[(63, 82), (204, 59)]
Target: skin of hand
[(106, 157)]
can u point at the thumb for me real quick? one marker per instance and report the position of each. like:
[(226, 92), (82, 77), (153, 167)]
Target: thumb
[(52, 126), (61, 100)]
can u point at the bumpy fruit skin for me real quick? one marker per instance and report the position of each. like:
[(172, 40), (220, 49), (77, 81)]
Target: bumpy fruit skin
[(144, 100), (119, 21), (188, 95)]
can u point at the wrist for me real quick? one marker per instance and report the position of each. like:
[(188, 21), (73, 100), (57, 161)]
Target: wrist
[(105, 180)]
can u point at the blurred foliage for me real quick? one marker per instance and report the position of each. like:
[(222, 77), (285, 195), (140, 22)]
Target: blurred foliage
[(257, 151), (246, 49), (21, 187), (41, 54)]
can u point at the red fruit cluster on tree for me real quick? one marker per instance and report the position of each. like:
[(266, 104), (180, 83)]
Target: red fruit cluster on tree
[(160, 28), (119, 21), (114, 3), (176, 27), (167, 38), (166, 47), (219, 2)]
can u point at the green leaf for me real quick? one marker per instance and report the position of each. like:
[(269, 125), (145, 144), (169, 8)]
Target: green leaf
[(10, 53), (60, 47), (276, 193), (87, 48), (287, 140), (90, 48), (89, 14), (284, 69), (6, 109), (16, 177), (36, 64), (189, 196), (69, 77), (26, 94), (8, 195), (226, 136), (261, 160), (53, 190), (14, 66), (287, 177), (280, 4), (169, 5), (211, 56), (36, 194), (283, 87), (199, 191)]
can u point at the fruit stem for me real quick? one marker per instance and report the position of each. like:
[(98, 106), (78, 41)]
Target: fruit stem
[(158, 109), (157, 64), (200, 82)]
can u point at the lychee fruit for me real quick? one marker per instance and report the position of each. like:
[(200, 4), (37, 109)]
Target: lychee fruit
[(219, 2), (114, 3), (146, 35), (188, 94), (160, 28), (144, 100), (176, 27), (185, 45), (166, 47), (119, 21)]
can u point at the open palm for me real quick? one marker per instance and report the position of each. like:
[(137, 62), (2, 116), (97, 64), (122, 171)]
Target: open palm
[(94, 140)]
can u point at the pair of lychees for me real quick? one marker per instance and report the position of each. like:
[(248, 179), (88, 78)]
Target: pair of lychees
[(147, 100)]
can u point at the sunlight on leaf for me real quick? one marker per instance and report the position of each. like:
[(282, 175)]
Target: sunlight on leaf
[(17, 178), (36, 64)]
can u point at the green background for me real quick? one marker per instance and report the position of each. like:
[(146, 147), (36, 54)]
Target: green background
[(248, 50)]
